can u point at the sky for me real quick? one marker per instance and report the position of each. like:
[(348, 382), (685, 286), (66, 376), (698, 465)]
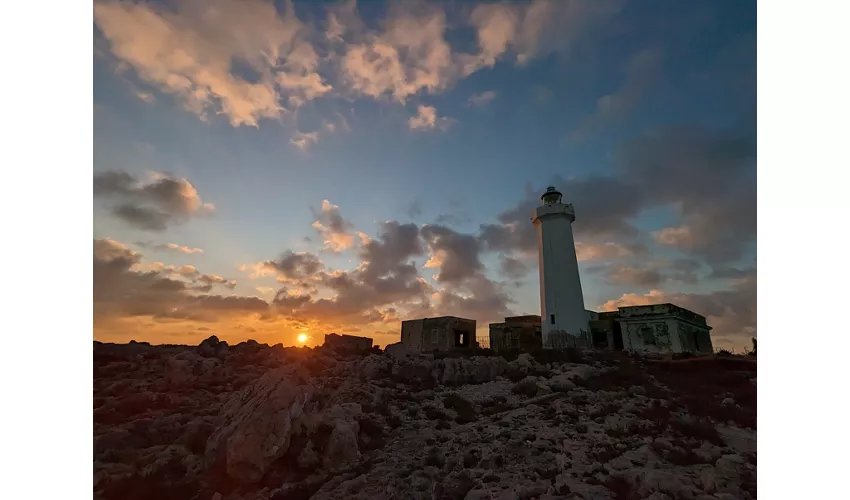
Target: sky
[(263, 170)]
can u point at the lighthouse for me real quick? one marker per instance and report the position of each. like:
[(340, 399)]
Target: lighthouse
[(563, 317)]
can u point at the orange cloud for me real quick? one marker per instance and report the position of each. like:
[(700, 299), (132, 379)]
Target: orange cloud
[(190, 52), (426, 118), (605, 251), (304, 140), (674, 236), (333, 228)]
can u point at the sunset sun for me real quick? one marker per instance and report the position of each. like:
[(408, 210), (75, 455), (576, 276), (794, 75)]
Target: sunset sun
[(302, 338)]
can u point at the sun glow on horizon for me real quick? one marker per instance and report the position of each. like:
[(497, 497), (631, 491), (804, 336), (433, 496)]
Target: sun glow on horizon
[(302, 338)]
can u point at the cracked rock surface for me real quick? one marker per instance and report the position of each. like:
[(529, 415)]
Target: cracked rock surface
[(249, 422)]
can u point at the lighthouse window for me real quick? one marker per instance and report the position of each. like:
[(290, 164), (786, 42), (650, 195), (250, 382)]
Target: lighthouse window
[(552, 318)]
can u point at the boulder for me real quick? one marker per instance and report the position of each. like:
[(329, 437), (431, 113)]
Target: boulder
[(399, 351), (341, 449), (211, 347), (739, 439), (180, 369), (255, 425), (372, 367)]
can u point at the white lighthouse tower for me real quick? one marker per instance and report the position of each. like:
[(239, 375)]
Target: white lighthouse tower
[(564, 319)]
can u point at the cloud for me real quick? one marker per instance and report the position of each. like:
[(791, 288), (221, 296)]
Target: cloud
[(477, 298), (385, 277), (304, 140), (295, 267), (170, 247), (409, 55), (426, 118), (641, 71), (124, 288), (526, 31), (607, 251), (707, 175), (674, 236), (192, 50), (467, 291), (512, 267), (248, 60), (146, 97), (154, 205), (632, 276), (456, 255), (650, 273), (333, 228), (395, 245), (481, 99)]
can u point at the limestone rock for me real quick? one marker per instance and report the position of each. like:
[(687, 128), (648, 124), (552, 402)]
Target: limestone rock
[(180, 369), (741, 440), (399, 351), (308, 456), (255, 425), (562, 383), (474, 370), (342, 448)]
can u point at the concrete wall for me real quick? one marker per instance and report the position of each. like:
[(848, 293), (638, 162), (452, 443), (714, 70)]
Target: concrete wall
[(561, 299), (668, 335), (347, 342), (658, 335), (431, 334), (515, 335)]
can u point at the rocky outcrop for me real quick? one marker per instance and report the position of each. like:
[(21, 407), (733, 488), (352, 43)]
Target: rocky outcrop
[(475, 370), (400, 352), (212, 347), (264, 423), (255, 425)]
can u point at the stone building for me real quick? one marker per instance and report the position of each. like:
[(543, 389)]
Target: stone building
[(516, 332), (526, 332), (443, 333), (347, 342), (657, 328), (660, 328)]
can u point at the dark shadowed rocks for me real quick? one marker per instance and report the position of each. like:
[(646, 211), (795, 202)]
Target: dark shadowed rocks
[(254, 427), (175, 422)]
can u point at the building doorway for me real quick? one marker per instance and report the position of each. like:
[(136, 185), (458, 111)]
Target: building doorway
[(618, 337)]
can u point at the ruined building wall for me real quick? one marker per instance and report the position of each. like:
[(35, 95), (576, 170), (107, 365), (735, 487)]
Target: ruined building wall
[(347, 342), (430, 334), (411, 333), (656, 335)]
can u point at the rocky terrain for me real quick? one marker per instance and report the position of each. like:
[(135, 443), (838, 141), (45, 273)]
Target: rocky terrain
[(256, 422)]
